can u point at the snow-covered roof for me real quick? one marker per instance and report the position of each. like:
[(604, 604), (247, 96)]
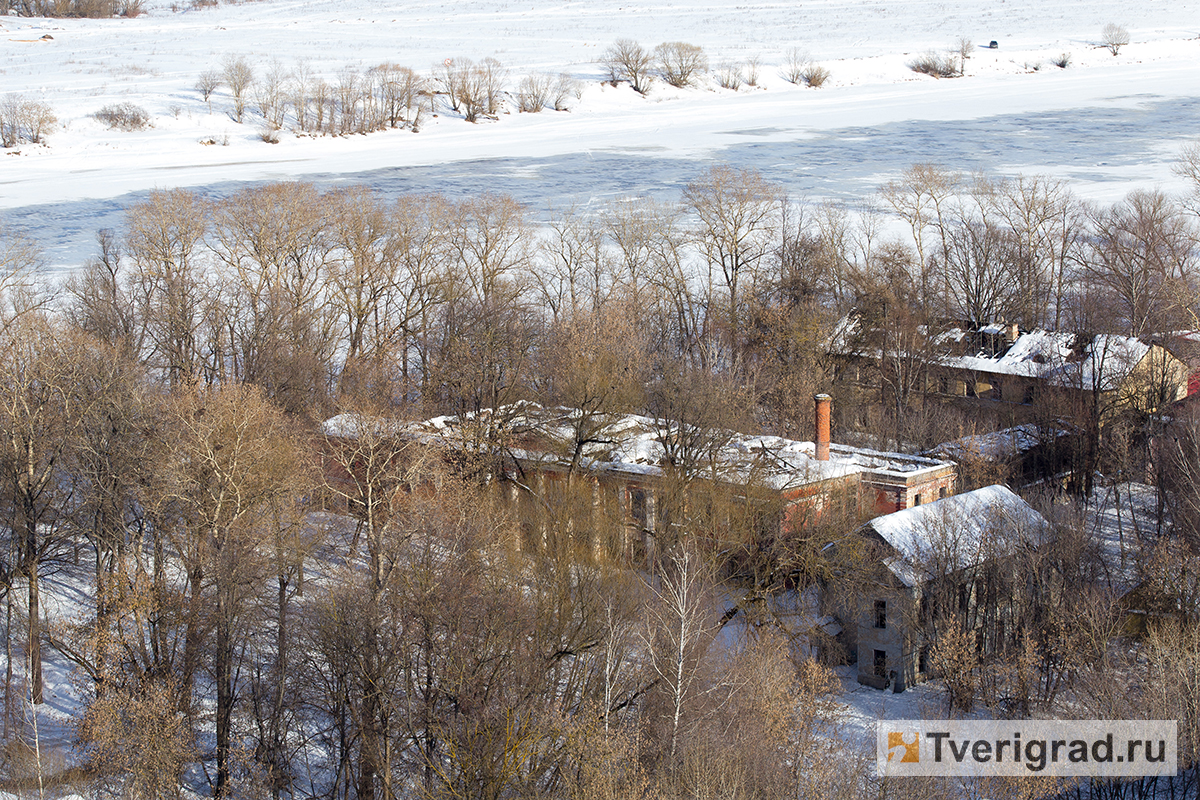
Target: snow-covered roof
[(1055, 356), (634, 445), (997, 445), (957, 531)]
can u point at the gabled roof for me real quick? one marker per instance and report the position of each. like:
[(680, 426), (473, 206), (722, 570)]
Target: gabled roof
[(958, 532)]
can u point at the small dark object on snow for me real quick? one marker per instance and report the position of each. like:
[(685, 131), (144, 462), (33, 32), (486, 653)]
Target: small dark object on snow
[(993, 44), (47, 36)]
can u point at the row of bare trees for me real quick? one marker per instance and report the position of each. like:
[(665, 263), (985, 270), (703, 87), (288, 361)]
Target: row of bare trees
[(299, 290), (382, 97)]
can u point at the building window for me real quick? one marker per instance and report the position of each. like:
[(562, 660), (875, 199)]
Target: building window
[(637, 507), (880, 613), (916, 499), (880, 663), (1028, 397), (941, 492)]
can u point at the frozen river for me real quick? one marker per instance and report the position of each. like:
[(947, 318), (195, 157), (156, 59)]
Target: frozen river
[(1103, 152)]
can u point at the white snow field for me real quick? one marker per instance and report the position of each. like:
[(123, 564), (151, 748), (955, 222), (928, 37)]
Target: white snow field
[(1107, 123)]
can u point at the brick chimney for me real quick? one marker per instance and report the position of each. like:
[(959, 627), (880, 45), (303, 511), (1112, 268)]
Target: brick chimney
[(822, 434)]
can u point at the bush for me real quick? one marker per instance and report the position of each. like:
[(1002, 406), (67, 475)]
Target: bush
[(533, 93), (938, 66), (565, 87), (24, 120), (794, 63), (752, 65), (87, 9), (679, 63), (123, 116), (729, 75), (815, 75), (1063, 61)]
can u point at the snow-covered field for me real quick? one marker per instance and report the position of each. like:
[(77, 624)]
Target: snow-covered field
[(1108, 124)]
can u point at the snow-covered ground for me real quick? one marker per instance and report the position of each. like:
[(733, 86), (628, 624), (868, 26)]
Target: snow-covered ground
[(1106, 123)]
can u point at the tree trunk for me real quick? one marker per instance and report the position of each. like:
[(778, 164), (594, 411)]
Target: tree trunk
[(224, 670), (35, 635)]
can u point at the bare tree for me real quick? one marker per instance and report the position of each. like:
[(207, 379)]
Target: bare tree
[(494, 78), (20, 257), (170, 295), (39, 410), (922, 197), (238, 76), (680, 63), (270, 94), (1143, 253), (141, 737), (208, 82), (964, 47), (626, 60), (980, 273), (400, 91), (273, 240), (1114, 37), (729, 75), (738, 212), (573, 271), (230, 457), (680, 626)]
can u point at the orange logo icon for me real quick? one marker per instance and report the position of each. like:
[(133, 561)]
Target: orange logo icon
[(906, 745)]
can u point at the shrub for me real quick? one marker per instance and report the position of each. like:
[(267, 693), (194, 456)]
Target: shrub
[(939, 66), (123, 116), (565, 87), (729, 75), (679, 63), (533, 93), (1114, 37), (1063, 61), (794, 63), (139, 738), (815, 75), (24, 120), (752, 65), (269, 133)]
